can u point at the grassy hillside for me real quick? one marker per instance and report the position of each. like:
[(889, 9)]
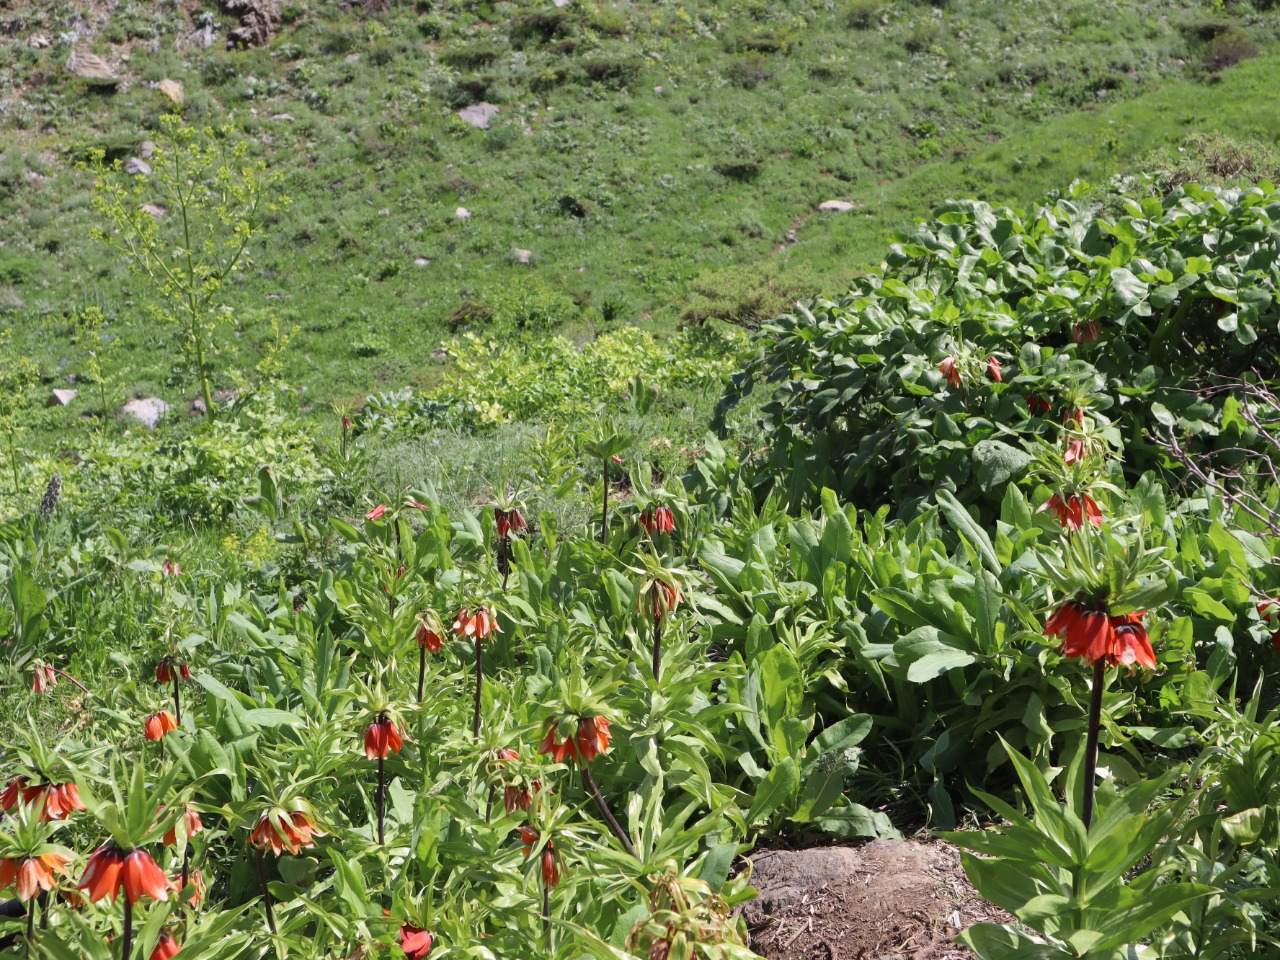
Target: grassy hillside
[(641, 153)]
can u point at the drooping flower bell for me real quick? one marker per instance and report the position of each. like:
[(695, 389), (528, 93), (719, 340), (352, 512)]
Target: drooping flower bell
[(1086, 332), (61, 800), (19, 789), (428, 633), (1073, 511), (1090, 633), (43, 678), (170, 669), (166, 947), (550, 860), (993, 368), (31, 875), (382, 737), (1075, 452), (159, 725), (415, 942), (478, 625), (1038, 405), (377, 512), (1268, 610), (192, 823), (950, 368), (111, 870), (278, 830), (658, 520), (590, 740), (509, 522)]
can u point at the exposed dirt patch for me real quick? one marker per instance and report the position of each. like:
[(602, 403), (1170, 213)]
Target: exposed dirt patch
[(882, 900)]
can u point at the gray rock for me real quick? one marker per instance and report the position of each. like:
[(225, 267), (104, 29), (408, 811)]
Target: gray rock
[(91, 67), (479, 115), (40, 41), (421, 262), (522, 256), (137, 166), (154, 209), (836, 206), (61, 398), (462, 213), (146, 410), (282, 117), (172, 89), (146, 149)]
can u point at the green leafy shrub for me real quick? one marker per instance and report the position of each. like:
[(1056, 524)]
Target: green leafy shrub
[(1170, 290)]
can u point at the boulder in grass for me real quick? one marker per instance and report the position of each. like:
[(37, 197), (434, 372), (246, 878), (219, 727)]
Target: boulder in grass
[(173, 90), (835, 206), (479, 115), (146, 410), (91, 67), (61, 398)]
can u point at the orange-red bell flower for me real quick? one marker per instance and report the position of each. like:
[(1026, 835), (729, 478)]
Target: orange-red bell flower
[(993, 368), (415, 942), (30, 875), (428, 639), (111, 869), (1091, 634), (19, 788), (509, 522), (1073, 511), (658, 520), (950, 368), (169, 669), (295, 832), (194, 826), (591, 739), (1075, 452), (44, 678), (61, 800), (166, 947), (159, 725), (381, 737), (478, 625)]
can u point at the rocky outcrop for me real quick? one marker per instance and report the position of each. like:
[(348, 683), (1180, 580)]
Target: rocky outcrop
[(259, 20)]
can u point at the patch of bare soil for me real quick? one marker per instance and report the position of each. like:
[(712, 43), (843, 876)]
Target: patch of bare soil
[(883, 900)]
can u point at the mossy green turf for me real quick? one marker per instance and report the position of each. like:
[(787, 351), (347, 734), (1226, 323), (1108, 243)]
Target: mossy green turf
[(722, 128)]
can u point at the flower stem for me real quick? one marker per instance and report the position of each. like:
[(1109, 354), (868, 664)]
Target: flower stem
[(657, 646), (266, 896), (546, 913), (382, 801), (31, 926), (589, 782), (422, 670), (186, 864), (177, 698), (64, 673), (127, 942), (1091, 741), (475, 722)]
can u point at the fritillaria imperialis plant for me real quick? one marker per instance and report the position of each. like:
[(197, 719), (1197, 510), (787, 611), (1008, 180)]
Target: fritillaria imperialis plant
[(607, 447), (479, 626), (579, 739), (1105, 584), (30, 862), (288, 825), (657, 597), (429, 636), (382, 736)]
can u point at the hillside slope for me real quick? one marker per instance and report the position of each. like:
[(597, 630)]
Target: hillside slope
[(637, 152)]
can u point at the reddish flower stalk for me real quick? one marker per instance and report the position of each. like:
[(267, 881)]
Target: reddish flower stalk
[(589, 741), (380, 738), (1089, 632), (171, 670), (479, 626)]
